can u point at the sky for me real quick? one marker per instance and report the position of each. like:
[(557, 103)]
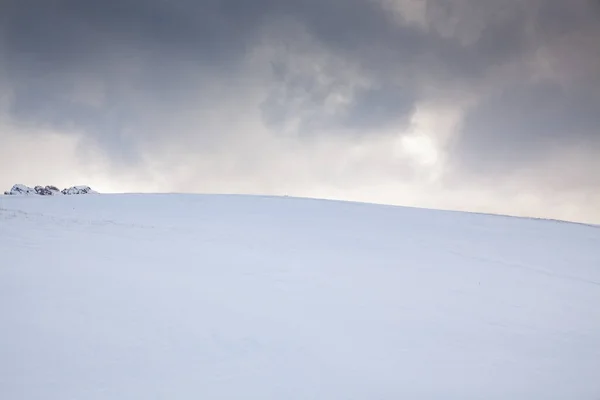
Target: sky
[(473, 105)]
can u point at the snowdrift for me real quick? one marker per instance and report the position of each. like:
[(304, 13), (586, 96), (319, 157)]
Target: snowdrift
[(241, 297)]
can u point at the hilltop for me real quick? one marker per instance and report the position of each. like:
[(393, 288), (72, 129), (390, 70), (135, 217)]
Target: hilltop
[(230, 297)]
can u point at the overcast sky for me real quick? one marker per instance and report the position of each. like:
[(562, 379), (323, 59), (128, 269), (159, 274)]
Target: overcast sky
[(479, 105)]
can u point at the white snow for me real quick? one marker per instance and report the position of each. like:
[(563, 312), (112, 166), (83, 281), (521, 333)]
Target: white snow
[(242, 297)]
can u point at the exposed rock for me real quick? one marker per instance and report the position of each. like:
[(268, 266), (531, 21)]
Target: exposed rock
[(23, 190), (77, 190), (47, 191)]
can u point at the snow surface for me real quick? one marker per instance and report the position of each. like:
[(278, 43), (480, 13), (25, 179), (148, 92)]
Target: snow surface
[(242, 297)]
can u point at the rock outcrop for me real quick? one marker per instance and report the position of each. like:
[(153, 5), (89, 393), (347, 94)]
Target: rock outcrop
[(77, 190), (46, 191), (22, 190)]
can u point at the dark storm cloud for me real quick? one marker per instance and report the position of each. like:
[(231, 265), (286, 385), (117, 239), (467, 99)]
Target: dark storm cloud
[(522, 122), (381, 105), (140, 53), (152, 56), (522, 119), (69, 33), (166, 50), (300, 93)]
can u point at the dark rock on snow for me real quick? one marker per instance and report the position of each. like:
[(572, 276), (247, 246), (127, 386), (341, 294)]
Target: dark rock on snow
[(23, 190)]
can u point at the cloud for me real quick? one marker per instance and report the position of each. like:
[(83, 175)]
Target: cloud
[(545, 107), (518, 124), (420, 103)]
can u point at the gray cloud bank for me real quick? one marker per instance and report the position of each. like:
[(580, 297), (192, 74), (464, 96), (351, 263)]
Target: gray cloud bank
[(480, 105)]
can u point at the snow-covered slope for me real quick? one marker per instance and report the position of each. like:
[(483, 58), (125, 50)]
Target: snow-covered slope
[(239, 297)]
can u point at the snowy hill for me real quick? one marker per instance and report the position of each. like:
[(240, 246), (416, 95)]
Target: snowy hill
[(241, 297)]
